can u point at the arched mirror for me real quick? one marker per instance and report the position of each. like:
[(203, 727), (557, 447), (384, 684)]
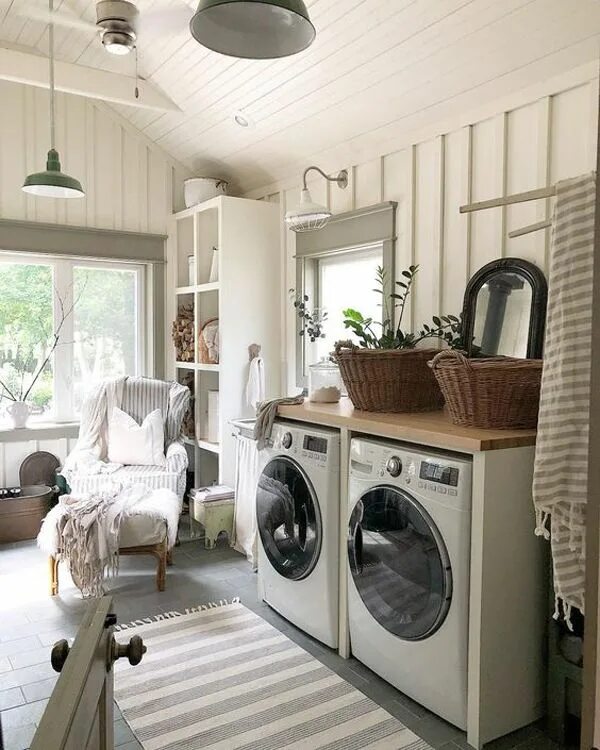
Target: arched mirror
[(504, 310)]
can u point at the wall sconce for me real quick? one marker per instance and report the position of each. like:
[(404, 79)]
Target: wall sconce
[(308, 215)]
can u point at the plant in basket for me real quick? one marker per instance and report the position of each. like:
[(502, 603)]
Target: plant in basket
[(386, 371)]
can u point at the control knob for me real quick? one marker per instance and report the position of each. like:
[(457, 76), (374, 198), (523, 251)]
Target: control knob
[(287, 440), (394, 466)]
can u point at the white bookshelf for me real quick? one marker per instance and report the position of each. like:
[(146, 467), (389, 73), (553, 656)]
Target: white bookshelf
[(246, 299)]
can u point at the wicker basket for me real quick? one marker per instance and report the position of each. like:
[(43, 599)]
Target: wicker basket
[(393, 380), (498, 392)]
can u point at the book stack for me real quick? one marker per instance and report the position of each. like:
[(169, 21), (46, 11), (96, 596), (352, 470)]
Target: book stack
[(212, 493)]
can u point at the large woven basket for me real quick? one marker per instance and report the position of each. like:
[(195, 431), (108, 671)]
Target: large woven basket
[(493, 392), (393, 380)]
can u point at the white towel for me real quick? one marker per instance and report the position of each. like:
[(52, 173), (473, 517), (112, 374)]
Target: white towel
[(561, 457), (255, 388)]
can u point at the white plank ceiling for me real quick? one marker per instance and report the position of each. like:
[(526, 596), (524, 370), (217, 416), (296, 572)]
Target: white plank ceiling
[(378, 69)]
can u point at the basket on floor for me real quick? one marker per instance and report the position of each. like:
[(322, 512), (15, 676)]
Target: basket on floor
[(393, 380), (493, 392)]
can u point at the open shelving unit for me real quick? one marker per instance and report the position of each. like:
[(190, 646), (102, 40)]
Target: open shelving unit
[(244, 296)]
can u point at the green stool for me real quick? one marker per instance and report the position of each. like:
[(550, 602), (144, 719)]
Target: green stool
[(214, 516)]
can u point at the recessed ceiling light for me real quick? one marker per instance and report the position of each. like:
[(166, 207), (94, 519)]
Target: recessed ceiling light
[(243, 120)]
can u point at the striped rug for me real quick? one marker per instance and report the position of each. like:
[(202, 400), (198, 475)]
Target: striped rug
[(224, 679)]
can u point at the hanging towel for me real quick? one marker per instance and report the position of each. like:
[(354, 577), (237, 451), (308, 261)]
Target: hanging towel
[(561, 458), (246, 482), (255, 388), (267, 411)]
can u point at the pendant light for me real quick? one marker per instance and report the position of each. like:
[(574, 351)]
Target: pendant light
[(308, 215), (253, 29), (52, 183)]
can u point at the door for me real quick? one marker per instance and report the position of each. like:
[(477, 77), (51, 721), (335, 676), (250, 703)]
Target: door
[(288, 518), (399, 563), (79, 715)]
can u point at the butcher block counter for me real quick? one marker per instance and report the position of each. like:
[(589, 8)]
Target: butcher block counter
[(427, 428), (507, 581)]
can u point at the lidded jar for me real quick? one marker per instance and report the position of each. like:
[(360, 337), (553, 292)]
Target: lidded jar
[(324, 382)]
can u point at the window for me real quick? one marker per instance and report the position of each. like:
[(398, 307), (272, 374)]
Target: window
[(98, 307), (346, 280)]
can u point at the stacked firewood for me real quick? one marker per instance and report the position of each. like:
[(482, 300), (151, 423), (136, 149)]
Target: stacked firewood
[(183, 334), (189, 425)]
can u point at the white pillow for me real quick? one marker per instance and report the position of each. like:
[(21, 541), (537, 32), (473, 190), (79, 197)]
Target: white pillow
[(134, 444)]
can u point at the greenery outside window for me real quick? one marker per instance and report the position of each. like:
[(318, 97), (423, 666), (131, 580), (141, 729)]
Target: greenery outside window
[(102, 337)]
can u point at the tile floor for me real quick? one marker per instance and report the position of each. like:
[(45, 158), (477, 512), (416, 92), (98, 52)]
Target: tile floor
[(31, 621)]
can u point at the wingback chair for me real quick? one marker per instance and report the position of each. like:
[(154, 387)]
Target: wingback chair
[(140, 534)]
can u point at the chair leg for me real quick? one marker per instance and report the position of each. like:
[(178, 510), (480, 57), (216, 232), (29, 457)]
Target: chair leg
[(53, 570), (161, 569)]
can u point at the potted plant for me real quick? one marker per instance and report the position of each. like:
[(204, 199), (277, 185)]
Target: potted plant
[(387, 371)]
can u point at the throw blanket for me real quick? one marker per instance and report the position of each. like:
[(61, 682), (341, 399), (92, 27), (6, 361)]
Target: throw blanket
[(561, 459), (91, 448), (265, 416), (85, 531)]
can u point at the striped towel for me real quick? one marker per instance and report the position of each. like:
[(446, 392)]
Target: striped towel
[(561, 459)]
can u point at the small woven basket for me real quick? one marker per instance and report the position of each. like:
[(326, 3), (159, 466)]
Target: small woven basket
[(392, 380), (492, 392)]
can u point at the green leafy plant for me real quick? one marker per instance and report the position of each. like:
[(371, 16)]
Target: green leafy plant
[(312, 321), (391, 336)]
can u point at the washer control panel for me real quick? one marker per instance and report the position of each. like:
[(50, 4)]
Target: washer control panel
[(320, 449)]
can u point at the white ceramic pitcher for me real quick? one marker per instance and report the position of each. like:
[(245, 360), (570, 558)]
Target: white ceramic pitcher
[(19, 412)]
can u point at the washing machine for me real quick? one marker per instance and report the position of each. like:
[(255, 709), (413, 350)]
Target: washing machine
[(409, 526), (298, 519)]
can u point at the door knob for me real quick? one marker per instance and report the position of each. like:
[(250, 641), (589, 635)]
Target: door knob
[(133, 651), (59, 654)]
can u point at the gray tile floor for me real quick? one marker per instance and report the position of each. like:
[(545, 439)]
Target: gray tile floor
[(31, 621)]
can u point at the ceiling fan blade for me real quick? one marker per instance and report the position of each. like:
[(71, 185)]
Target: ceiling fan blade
[(59, 18), (166, 20)]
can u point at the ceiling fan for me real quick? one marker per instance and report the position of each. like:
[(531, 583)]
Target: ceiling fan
[(118, 22), (252, 29)]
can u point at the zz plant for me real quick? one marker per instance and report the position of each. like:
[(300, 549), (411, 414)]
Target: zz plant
[(390, 335)]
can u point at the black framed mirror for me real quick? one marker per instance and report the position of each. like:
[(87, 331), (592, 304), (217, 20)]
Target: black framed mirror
[(504, 310)]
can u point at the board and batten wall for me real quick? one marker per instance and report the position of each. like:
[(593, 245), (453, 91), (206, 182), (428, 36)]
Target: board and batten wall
[(130, 183), (518, 145)]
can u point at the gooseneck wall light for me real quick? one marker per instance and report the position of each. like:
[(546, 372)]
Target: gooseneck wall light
[(52, 183), (308, 215), (253, 29)]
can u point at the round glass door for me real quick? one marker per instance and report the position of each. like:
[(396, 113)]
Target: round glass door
[(288, 518), (399, 563)]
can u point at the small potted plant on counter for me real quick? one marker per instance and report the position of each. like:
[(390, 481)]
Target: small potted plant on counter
[(387, 370)]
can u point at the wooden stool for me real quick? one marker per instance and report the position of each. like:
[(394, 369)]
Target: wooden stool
[(215, 516)]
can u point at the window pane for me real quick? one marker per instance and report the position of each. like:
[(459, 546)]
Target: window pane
[(105, 326), (347, 280), (26, 328)]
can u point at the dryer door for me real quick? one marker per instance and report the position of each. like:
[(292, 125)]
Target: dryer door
[(288, 518), (399, 563)]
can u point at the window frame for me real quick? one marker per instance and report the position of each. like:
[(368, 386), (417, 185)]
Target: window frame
[(62, 268), (308, 283)]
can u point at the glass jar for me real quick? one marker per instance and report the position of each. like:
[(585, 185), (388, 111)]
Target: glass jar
[(324, 382)]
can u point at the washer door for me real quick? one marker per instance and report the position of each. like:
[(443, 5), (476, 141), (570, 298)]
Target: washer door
[(399, 563), (288, 518)]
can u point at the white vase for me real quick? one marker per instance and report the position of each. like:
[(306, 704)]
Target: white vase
[(19, 412)]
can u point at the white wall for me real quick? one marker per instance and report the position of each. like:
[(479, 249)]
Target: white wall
[(533, 138), (130, 183)]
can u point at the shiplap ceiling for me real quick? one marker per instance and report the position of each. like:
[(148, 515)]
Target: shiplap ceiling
[(378, 68)]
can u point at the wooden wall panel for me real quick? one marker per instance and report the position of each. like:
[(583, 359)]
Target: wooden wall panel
[(129, 181), (530, 145)]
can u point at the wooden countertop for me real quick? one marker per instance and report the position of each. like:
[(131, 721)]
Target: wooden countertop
[(429, 428)]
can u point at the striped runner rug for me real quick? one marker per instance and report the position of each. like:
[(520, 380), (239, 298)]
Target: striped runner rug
[(224, 679)]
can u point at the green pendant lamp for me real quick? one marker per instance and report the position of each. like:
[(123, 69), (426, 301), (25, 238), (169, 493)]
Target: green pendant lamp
[(52, 183), (253, 29)]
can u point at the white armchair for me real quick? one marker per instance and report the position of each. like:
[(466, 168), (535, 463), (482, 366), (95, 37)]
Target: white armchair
[(137, 396)]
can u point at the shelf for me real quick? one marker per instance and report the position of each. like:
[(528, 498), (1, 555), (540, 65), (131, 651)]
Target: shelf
[(196, 366), (211, 447), (212, 286)]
